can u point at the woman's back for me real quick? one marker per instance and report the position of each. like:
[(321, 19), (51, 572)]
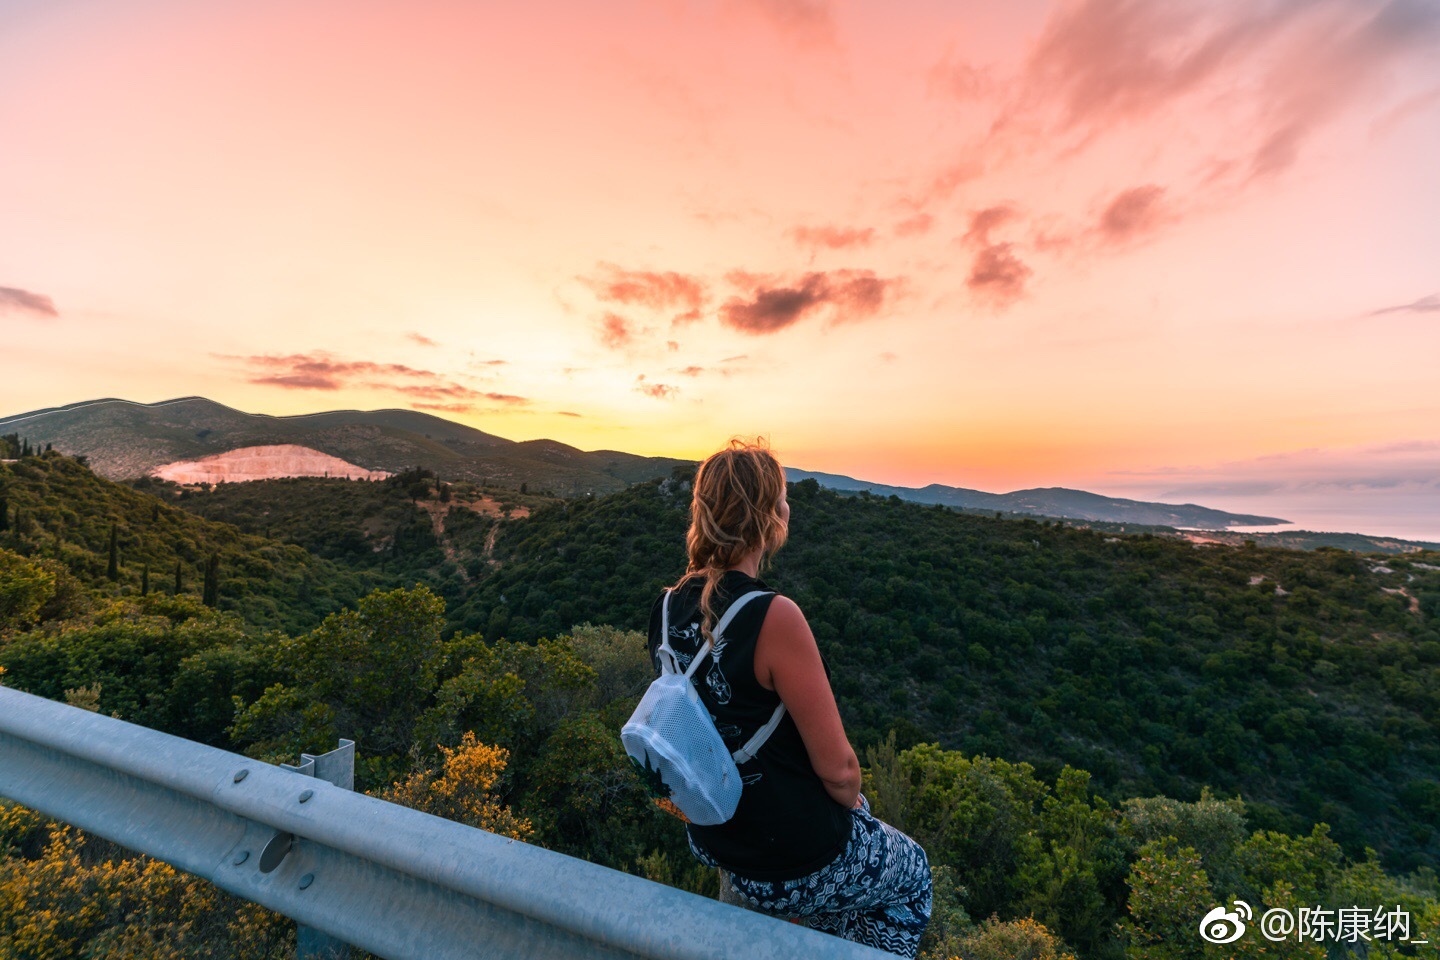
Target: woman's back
[(786, 825)]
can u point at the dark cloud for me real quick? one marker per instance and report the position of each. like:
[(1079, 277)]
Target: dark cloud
[(833, 238), (986, 220), (772, 305), (998, 275), (911, 226), (616, 332), (15, 300), (1430, 304), (644, 288), (421, 339), (1132, 213), (660, 391)]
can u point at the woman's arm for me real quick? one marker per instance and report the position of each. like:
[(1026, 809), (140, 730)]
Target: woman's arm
[(788, 662)]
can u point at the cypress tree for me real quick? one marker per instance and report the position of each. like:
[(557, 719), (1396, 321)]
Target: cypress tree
[(112, 569), (4, 512), (145, 580), (179, 579), (154, 513), (211, 594)]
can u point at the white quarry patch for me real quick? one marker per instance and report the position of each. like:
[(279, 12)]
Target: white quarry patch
[(263, 463)]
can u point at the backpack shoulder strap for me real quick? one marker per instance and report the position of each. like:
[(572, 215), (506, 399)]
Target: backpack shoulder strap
[(666, 653), (747, 753), (735, 608), (752, 747), (719, 632)]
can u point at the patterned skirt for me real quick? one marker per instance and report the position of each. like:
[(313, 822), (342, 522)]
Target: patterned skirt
[(877, 892)]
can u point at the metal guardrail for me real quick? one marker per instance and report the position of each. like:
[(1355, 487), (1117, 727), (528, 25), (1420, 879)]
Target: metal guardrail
[(396, 882)]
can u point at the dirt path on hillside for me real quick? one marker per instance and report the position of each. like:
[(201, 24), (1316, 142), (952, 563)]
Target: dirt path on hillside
[(1401, 591), (438, 511)]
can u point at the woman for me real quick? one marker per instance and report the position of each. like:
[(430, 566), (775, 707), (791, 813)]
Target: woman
[(802, 843)]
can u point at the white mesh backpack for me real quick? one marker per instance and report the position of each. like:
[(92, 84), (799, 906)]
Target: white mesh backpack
[(672, 740)]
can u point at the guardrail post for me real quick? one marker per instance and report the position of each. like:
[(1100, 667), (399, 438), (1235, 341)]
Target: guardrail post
[(337, 767)]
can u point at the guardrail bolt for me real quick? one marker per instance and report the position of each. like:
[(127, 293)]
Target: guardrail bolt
[(241, 775), (241, 857), (306, 880), (306, 795)]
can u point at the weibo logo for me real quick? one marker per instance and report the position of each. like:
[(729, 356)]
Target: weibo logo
[(1226, 926)]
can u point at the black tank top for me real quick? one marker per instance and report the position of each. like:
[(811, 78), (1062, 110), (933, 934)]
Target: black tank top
[(787, 825)]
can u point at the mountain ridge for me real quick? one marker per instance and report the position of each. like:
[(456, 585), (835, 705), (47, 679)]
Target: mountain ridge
[(1063, 502), (126, 439)]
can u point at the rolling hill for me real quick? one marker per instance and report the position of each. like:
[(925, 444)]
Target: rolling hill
[(123, 440)]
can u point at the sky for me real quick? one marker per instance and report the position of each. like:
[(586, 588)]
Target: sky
[(1169, 250)]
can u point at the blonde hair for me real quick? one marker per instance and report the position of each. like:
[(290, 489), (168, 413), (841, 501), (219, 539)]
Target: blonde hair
[(734, 509)]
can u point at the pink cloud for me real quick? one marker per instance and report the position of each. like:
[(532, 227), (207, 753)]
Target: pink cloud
[(986, 220), (806, 22), (320, 370), (913, 226), (656, 290), (1132, 213), (1266, 76), (445, 407), (998, 275), (615, 331), (660, 391), (833, 238)]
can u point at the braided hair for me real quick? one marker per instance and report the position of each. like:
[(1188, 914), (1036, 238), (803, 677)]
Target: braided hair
[(735, 508)]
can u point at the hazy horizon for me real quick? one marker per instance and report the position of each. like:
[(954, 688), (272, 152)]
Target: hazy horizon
[(1378, 506), (1140, 248)]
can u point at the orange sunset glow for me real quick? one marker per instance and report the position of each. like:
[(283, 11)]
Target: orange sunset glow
[(1185, 251)]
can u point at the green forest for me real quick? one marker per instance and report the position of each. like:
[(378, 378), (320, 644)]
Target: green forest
[(1096, 737)]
